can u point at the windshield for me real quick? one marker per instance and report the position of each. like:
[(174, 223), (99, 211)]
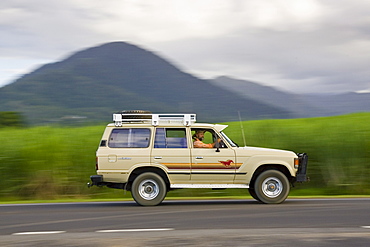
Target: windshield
[(228, 139)]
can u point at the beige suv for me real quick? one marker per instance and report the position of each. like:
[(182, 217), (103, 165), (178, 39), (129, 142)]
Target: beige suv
[(150, 154)]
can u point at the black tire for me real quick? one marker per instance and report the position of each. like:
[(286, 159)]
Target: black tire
[(272, 187), (253, 194), (136, 111), (148, 189), (134, 114)]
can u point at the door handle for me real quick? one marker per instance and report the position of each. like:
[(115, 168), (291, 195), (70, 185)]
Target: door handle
[(199, 157), (158, 157)]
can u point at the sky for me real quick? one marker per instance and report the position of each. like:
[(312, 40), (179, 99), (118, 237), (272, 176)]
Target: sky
[(301, 46)]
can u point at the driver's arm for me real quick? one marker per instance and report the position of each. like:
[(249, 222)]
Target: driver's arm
[(200, 144)]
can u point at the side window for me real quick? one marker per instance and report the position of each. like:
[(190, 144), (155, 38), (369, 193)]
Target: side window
[(129, 138), (205, 138), (208, 135), (170, 138)]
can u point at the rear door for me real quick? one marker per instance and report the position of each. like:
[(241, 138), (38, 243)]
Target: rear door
[(171, 150)]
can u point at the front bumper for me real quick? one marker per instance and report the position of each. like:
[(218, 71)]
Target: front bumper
[(301, 175)]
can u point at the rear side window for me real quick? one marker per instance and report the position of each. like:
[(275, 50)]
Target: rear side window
[(170, 138), (129, 138)]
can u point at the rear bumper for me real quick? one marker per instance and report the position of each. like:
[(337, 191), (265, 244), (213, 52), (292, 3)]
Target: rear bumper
[(96, 180), (301, 175)]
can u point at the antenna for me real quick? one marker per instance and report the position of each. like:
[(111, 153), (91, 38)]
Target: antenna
[(241, 126)]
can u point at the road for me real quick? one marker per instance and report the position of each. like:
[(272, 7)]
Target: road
[(303, 222)]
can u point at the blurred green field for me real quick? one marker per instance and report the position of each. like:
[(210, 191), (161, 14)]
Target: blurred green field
[(55, 162)]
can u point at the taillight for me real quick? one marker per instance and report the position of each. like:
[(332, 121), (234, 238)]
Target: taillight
[(96, 164)]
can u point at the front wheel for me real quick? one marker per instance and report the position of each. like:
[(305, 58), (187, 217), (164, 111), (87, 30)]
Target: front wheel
[(148, 189), (271, 186)]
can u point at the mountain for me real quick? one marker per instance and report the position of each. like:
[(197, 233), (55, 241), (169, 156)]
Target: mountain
[(300, 105), (93, 83), (340, 103), (268, 95)]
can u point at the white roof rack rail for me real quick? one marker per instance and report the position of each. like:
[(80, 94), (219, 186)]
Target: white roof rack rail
[(154, 119)]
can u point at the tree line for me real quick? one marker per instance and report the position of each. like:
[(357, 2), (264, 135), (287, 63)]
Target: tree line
[(11, 119)]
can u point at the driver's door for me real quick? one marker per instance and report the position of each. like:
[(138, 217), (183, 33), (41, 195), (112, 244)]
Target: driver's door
[(210, 166)]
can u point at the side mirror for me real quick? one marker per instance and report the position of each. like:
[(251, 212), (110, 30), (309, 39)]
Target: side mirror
[(217, 146)]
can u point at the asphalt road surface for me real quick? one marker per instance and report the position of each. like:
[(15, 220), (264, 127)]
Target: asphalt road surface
[(297, 222)]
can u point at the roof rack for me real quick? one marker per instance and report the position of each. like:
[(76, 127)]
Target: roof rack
[(154, 119)]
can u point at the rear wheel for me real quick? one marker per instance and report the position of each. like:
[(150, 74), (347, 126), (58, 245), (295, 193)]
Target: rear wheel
[(271, 186), (148, 189), (253, 194)]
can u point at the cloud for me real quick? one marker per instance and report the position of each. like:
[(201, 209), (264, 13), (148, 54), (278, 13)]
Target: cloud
[(305, 46)]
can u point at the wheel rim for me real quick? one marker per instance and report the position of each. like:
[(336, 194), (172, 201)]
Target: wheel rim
[(272, 187), (148, 189)]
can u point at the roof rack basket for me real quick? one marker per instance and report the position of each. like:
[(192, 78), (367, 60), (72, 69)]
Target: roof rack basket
[(154, 119)]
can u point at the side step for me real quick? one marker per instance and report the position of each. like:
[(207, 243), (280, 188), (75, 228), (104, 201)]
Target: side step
[(209, 186)]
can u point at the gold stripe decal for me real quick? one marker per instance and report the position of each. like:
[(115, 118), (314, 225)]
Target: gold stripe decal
[(177, 165), (189, 166)]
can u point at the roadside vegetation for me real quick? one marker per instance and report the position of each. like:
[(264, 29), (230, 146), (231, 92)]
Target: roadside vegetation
[(47, 162)]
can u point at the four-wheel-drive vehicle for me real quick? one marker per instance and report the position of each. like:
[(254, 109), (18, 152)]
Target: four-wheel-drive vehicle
[(150, 154)]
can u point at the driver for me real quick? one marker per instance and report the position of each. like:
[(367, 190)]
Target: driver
[(198, 140)]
